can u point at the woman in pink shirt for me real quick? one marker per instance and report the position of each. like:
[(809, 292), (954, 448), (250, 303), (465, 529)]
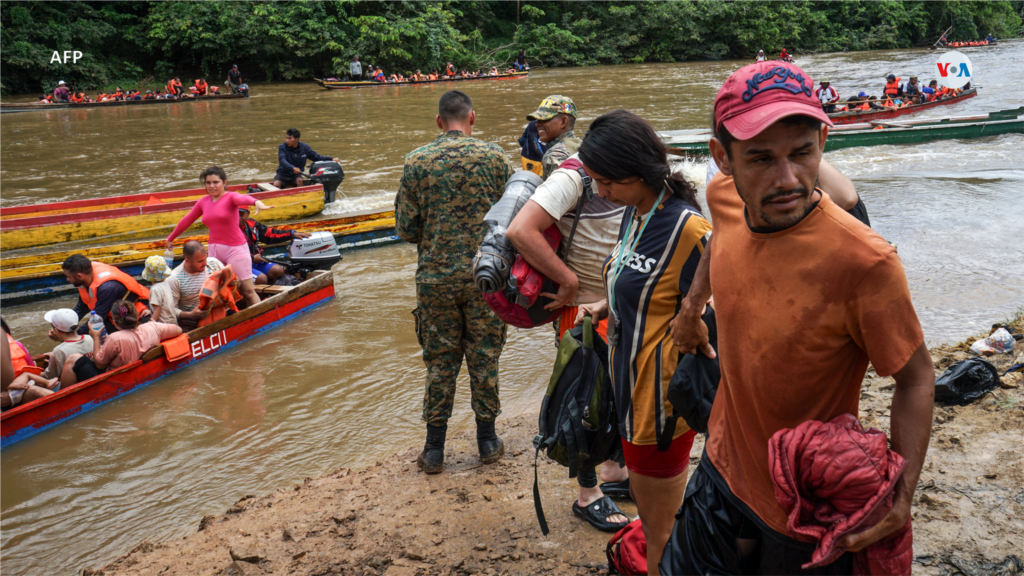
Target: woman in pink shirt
[(219, 210)]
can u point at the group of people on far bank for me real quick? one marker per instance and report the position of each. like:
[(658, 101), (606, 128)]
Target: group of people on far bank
[(804, 295)]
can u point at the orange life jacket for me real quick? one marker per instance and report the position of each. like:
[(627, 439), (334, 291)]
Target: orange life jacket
[(104, 273), (865, 106), (433, 76), (201, 87), (17, 357), (892, 88), (449, 70), (79, 98), (218, 292)]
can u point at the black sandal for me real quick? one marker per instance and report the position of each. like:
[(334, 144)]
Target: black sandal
[(616, 489), (598, 511)]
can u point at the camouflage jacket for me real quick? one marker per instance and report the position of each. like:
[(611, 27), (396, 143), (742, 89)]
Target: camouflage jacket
[(447, 188), (558, 151)]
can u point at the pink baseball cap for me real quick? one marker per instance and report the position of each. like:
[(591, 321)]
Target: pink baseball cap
[(760, 94)]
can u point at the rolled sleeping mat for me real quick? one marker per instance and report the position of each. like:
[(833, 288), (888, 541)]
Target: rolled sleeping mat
[(493, 261)]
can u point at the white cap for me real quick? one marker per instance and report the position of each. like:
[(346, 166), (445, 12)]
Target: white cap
[(64, 319), (59, 83)]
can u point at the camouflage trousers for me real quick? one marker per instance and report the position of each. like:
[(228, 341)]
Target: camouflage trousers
[(453, 322)]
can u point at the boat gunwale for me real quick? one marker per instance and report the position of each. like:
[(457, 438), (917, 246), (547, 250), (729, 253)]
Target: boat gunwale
[(71, 218), (29, 106)]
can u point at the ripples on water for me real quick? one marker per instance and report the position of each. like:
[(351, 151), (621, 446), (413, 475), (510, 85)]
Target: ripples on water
[(342, 385)]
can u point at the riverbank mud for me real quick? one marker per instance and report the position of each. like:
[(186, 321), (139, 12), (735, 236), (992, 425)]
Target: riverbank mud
[(390, 519)]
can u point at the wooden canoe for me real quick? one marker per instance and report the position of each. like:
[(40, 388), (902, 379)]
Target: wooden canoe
[(121, 218), (30, 275), (283, 304), (854, 116), (32, 106), (695, 142), (367, 84)]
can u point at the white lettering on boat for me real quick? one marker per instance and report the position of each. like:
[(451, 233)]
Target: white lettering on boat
[(208, 344)]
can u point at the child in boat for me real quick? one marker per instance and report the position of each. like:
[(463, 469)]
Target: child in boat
[(63, 328), (161, 296), (26, 385), (123, 347)]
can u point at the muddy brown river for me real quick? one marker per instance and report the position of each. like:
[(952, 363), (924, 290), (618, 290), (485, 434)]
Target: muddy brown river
[(342, 385)]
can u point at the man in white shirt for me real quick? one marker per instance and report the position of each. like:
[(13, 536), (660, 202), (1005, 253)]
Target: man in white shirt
[(580, 282), (827, 95), (355, 69), (187, 280)]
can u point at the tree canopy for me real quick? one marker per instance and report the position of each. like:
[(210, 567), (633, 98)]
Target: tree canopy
[(126, 41)]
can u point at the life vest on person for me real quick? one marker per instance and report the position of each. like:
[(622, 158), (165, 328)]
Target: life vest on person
[(892, 88), (201, 88), (19, 359), (865, 106), (78, 98), (104, 273), (213, 89), (433, 76), (449, 70), (217, 293)]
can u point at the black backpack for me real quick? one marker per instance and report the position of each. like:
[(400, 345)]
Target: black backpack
[(578, 424), (693, 387)]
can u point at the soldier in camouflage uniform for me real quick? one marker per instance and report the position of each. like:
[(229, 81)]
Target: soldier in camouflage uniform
[(556, 118), (447, 188)]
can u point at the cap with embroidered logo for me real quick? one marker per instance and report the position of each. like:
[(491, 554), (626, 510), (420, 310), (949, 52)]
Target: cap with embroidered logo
[(760, 94), (553, 106)]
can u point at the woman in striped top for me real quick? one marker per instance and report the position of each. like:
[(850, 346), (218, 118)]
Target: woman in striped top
[(646, 276)]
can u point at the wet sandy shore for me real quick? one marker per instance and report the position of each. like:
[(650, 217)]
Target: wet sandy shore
[(390, 519)]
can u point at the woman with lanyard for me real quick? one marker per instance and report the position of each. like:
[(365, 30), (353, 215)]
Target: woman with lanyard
[(219, 210), (646, 276)]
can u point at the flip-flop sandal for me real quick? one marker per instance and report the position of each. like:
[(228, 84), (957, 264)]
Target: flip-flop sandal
[(616, 489), (596, 513)]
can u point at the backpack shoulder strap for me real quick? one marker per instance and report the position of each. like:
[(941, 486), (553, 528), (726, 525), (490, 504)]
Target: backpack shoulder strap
[(575, 164)]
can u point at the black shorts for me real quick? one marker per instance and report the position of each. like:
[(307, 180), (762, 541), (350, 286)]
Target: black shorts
[(85, 368), (711, 520)]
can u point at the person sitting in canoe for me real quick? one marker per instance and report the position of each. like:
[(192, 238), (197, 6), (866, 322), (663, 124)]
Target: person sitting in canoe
[(186, 281), (256, 232), (62, 94), (449, 69), (219, 210), (434, 75), (760, 56), (200, 88), (149, 95), (174, 87), (63, 323), (26, 384), (292, 157), (827, 95), (101, 287), (784, 56), (912, 87), (161, 298), (123, 347)]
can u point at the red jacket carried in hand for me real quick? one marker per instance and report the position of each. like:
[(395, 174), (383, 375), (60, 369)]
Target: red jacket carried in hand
[(836, 479)]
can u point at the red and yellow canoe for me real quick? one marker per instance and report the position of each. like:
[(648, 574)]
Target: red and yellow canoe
[(855, 116), (122, 218)]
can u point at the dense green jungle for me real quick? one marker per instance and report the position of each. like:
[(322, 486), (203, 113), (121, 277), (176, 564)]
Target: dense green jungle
[(140, 43)]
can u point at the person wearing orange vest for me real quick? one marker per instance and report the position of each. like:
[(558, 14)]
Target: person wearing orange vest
[(100, 287), (25, 384), (893, 87), (449, 69), (78, 98), (201, 87)]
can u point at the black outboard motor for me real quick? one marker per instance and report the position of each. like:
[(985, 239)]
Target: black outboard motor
[(329, 174)]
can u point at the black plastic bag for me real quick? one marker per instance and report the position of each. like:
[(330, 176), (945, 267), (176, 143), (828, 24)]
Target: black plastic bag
[(966, 381), (695, 383)]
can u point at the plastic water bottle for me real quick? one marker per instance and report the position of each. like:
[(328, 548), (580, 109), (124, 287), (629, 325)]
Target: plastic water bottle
[(169, 258), (95, 322)]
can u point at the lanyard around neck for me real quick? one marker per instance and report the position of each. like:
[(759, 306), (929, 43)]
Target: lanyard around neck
[(620, 259)]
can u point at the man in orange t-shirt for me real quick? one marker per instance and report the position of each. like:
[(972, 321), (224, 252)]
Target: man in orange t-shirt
[(805, 296)]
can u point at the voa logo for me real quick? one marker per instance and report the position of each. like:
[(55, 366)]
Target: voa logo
[(955, 70)]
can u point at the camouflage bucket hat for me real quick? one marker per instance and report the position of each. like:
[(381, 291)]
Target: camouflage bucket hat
[(552, 106)]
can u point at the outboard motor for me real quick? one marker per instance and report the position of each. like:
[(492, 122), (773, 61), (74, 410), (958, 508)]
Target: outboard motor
[(329, 174), (318, 252)]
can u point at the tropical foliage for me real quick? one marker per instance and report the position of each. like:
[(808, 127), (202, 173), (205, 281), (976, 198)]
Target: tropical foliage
[(131, 41)]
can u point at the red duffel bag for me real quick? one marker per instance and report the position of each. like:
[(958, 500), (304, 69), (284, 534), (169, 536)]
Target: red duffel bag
[(627, 550)]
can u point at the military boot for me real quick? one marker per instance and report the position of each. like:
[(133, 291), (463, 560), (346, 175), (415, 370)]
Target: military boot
[(487, 442), (431, 460)]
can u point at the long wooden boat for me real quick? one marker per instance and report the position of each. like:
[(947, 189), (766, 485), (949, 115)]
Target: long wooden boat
[(695, 142), (32, 106), (135, 216), (854, 116), (282, 305), (30, 275), (368, 84)]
